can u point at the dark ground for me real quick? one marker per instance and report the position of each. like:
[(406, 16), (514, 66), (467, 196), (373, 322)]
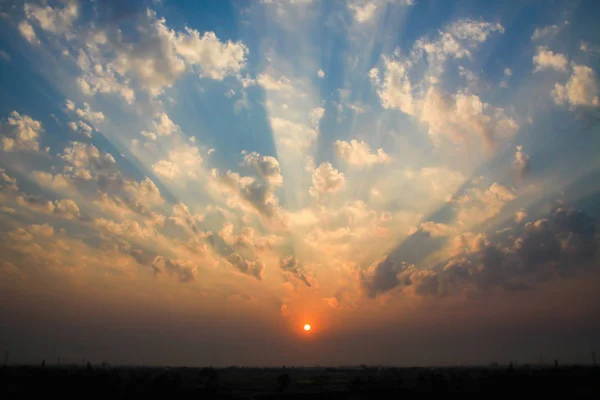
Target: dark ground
[(299, 383)]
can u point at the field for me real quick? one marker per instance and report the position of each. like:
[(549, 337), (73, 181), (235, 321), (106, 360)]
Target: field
[(296, 383)]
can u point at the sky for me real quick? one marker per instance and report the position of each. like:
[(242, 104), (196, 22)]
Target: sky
[(190, 183)]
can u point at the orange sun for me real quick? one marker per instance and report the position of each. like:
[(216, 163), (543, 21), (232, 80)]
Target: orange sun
[(307, 327)]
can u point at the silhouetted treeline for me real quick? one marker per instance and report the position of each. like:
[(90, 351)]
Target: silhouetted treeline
[(331, 383)]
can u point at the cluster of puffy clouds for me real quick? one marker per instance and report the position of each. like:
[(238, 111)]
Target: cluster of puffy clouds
[(517, 257), (580, 89), (454, 116), (136, 224), (110, 63)]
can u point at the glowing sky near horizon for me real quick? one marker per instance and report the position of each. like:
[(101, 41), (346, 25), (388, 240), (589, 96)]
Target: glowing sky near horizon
[(192, 182)]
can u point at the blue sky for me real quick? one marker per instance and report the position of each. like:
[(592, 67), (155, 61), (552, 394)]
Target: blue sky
[(353, 164)]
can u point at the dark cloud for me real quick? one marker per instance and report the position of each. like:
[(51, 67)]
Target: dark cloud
[(253, 268), (386, 275), (183, 269), (516, 259), (292, 265)]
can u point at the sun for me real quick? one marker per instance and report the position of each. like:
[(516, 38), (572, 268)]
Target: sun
[(307, 327)]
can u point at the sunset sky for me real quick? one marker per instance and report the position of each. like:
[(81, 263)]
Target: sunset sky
[(191, 182)]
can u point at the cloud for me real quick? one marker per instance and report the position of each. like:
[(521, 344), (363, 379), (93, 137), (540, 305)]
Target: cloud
[(315, 116), (396, 90), (521, 162), (252, 268), (81, 127), (184, 270), (55, 20), (127, 228), (157, 60), (453, 116), (364, 11), (148, 135), (86, 112), (292, 265), (183, 217), (292, 134), (213, 58), (456, 116), (589, 48), (477, 205), (547, 59), (548, 32), (521, 216), (164, 126), (65, 208), (326, 179), (254, 191), (434, 229), (580, 90), (359, 153), (28, 33), (86, 162), (21, 133), (555, 246), (266, 167), (385, 275), (7, 183), (184, 160)]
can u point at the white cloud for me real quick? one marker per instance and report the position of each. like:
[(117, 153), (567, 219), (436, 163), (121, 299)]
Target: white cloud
[(477, 205), (148, 135), (580, 90), (156, 61), (359, 153), (86, 112), (55, 20), (266, 167), (457, 116), (28, 33), (315, 116), (20, 132), (326, 179), (184, 159), (85, 161), (293, 134), (81, 127), (364, 11), (548, 32), (166, 169), (547, 59), (213, 58), (396, 90), (164, 126)]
